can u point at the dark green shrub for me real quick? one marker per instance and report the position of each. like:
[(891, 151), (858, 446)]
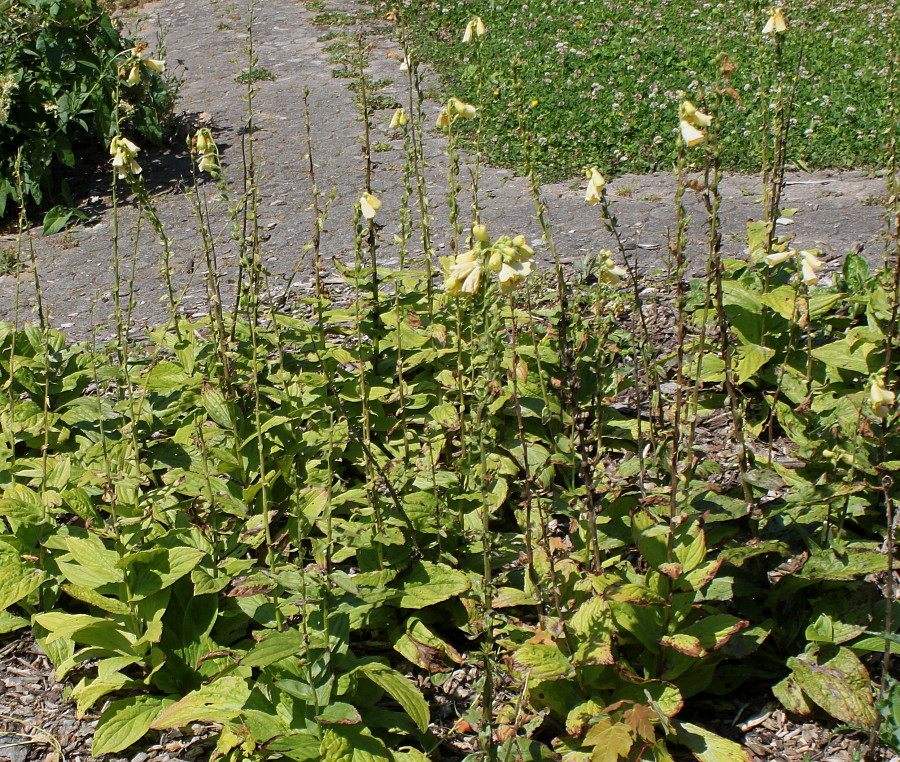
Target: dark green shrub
[(62, 63)]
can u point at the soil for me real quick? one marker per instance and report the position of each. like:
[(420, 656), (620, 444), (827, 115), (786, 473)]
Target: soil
[(206, 40)]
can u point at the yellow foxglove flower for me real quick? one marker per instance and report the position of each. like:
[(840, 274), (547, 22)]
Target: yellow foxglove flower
[(123, 152), (882, 399), (155, 64), (208, 163), (443, 120), (134, 76), (776, 23), (465, 110), (777, 257), (399, 119), (406, 63), (809, 276), (475, 28), (512, 274), (479, 232), (610, 272), (690, 134), (495, 261), (466, 271), (595, 186), (689, 113), (369, 205), (811, 259)]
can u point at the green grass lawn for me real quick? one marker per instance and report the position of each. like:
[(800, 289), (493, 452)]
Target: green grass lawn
[(601, 81)]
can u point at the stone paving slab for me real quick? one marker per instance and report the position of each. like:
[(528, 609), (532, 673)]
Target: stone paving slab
[(206, 41)]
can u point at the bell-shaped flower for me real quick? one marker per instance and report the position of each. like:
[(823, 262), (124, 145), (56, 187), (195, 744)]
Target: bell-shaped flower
[(882, 399), (777, 257), (479, 232), (465, 110), (811, 259), (406, 63), (808, 273), (513, 274), (522, 250), (369, 205), (688, 112), (207, 151), (776, 23), (595, 186), (464, 276), (399, 119), (475, 28), (610, 272), (690, 134), (156, 64), (123, 152), (134, 76), (443, 120)]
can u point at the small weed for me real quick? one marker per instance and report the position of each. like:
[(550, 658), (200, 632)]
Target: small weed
[(258, 74), (224, 27), (334, 18), (9, 261), (652, 197), (874, 199), (382, 147), (626, 190), (314, 6)]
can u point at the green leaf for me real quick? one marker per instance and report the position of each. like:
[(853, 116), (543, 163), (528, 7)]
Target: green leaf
[(707, 746), (275, 647), (17, 580), (125, 722), (216, 702), (841, 686), (216, 406), (339, 713), (56, 219), (750, 358), (401, 689), (543, 661), (428, 583)]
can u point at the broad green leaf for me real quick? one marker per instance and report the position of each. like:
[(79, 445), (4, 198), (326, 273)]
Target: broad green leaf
[(543, 661), (125, 722), (275, 647), (159, 568), (839, 354), (216, 406), (299, 747), (750, 358), (791, 696), (428, 583), (90, 690), (401, 689), (96, 558), (841, 686), (216, 702), (92, 597), (17, 580), (425, 649), (339, 713), (707, 746), (10, 623)]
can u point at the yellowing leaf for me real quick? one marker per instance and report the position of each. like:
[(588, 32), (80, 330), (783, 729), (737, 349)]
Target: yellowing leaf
[(216, 702), (707, 746), (611, 740), (428, 583), (543, 661)]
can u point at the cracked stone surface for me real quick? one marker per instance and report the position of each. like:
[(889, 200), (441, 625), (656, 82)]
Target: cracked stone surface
[(206, 44)]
